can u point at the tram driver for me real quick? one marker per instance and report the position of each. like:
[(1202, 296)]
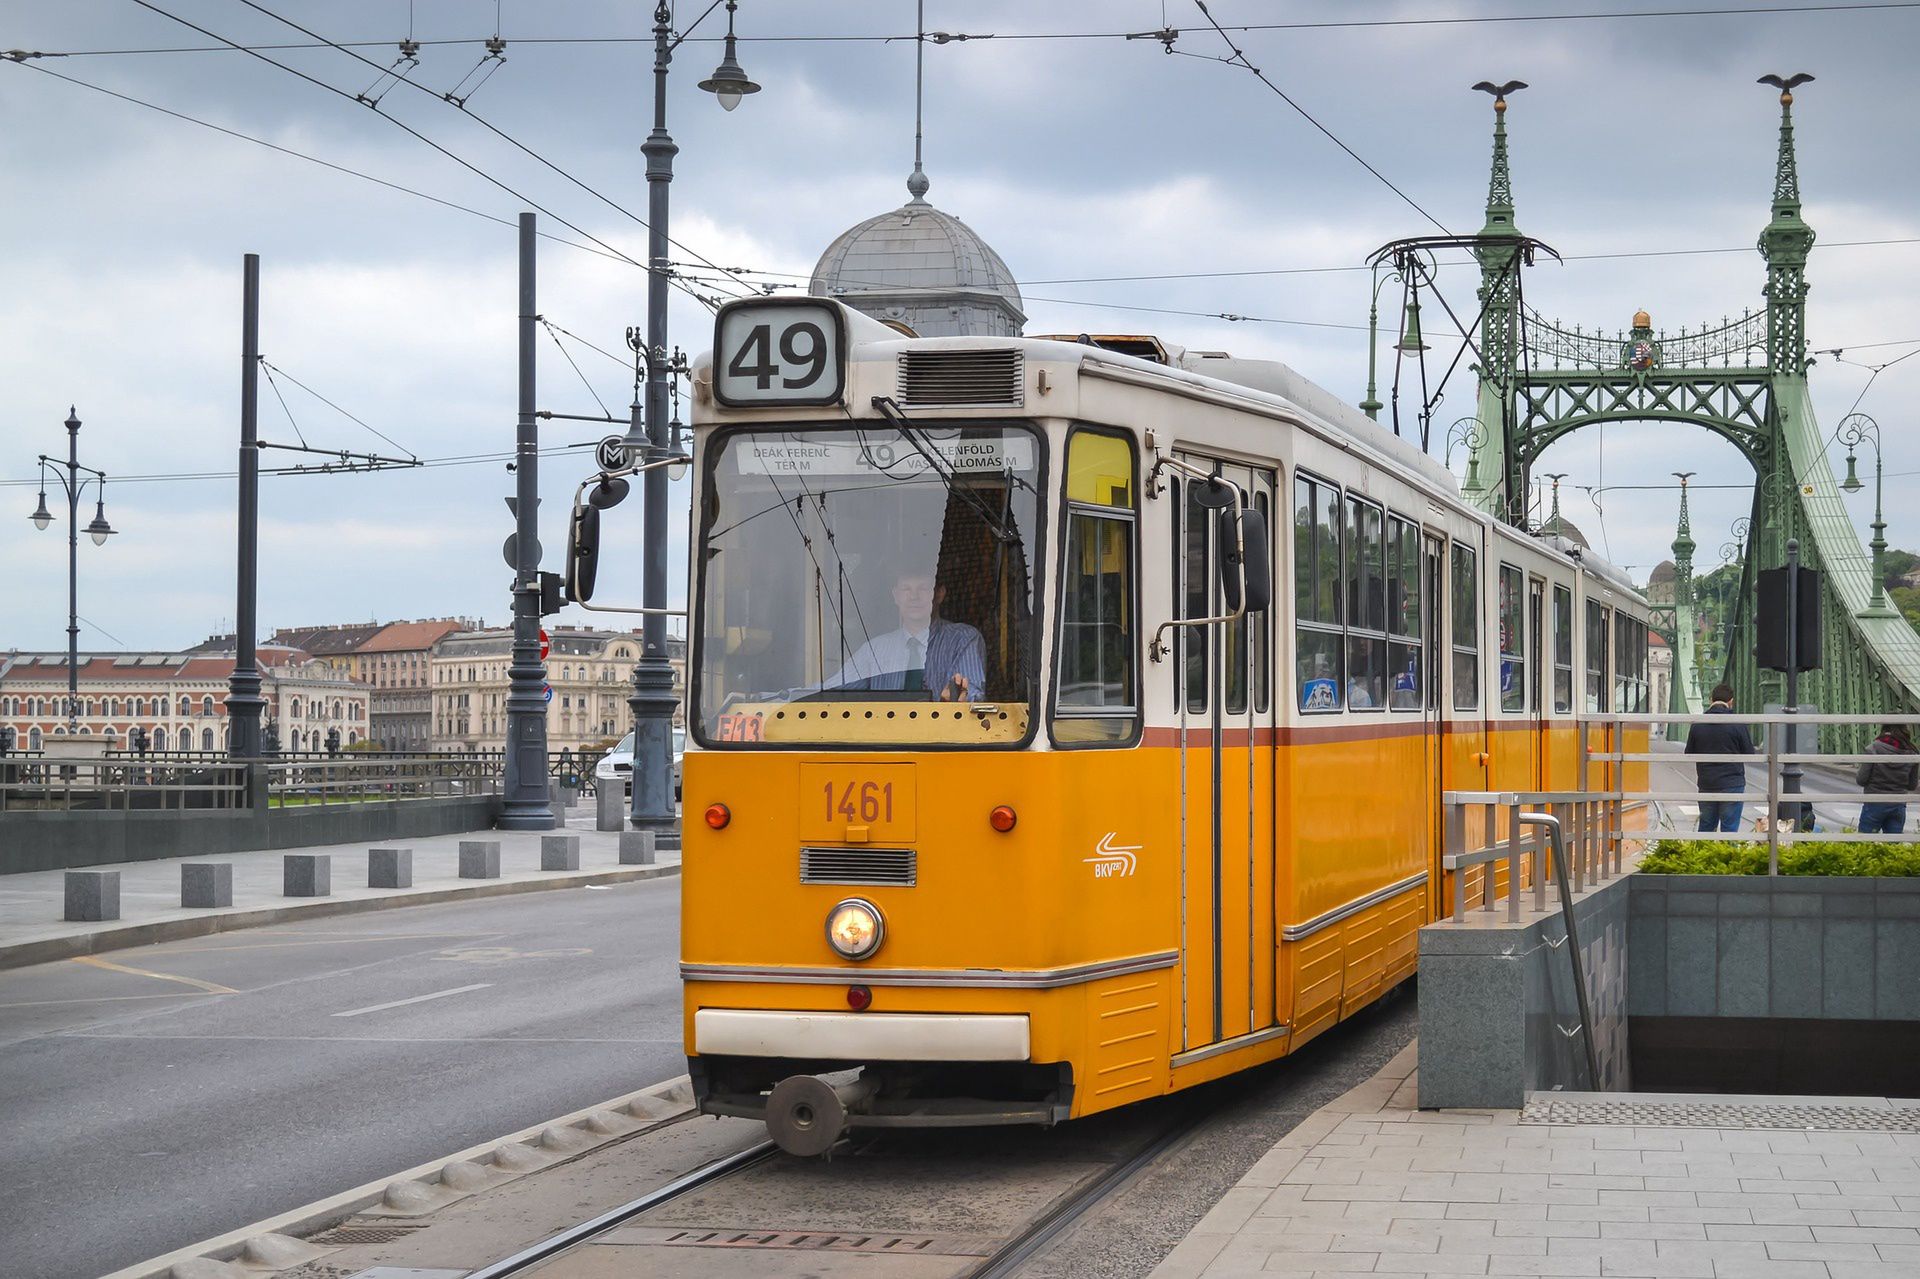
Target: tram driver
[(924, 652)]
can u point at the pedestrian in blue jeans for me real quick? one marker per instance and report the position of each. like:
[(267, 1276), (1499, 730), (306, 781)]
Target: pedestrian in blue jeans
[(1720, 778), (1893, 777)]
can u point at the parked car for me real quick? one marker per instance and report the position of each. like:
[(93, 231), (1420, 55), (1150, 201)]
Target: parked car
[(617, 764)]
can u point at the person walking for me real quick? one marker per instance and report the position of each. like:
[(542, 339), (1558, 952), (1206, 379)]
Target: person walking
[(1723, 777), (1899, 775)]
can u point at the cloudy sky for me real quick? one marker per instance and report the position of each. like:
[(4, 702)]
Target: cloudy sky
[(1077, 158)]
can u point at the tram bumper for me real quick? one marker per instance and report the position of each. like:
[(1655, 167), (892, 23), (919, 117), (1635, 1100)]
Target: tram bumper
[(811, 1076)]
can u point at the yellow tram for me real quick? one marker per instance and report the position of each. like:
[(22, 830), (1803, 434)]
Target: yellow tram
[(1068, 724)]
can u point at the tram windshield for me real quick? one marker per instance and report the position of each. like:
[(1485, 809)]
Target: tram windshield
[(874, 584)]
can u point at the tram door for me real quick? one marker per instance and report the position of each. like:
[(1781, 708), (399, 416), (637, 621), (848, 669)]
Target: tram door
[(1433, 578), (1537, 677), (1227, 719)]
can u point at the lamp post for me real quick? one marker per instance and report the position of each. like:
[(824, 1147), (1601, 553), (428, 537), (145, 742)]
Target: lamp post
[(75, 480), (653, 698), (1469, 431), (1855, 429), (1410, 343)]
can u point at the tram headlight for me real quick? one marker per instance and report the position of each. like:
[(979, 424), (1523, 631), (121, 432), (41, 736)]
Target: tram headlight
[(855, 928)]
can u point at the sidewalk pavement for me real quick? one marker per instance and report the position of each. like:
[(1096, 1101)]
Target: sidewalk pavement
[(1578, 1184), (32, 903)]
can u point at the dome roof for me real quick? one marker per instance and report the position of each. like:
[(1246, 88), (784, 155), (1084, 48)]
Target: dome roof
[(1663, 572), (918, 266), (1560, 526)]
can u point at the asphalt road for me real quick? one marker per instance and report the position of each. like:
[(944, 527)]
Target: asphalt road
[(158, 1096)]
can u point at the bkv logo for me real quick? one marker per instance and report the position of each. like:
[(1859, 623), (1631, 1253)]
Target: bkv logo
[(1111, 860)]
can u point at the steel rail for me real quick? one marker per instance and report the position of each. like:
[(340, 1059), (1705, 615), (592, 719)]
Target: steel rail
[(1008, 1259), (575, 1235)]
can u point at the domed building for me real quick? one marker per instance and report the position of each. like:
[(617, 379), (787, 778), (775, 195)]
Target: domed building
[(1558, 525), (918, 267), (1660, 582)]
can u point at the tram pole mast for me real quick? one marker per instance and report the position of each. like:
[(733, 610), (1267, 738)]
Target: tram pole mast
[(653, 699), (526, 805)]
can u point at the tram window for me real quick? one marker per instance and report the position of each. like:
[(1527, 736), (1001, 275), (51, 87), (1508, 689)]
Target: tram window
[(1366, 580), (1195, 640), (1094, 691), (1513, 649), (850, 578), (1466, 629), (1319, 650), (1562, 650), (1596, 657), (1263, 629), (1404, 657)]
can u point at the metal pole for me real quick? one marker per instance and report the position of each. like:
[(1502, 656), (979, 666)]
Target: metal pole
[(653, 700), (73, 573), (526, 806), (1790, 772), (1878, 604), (245, 705), (1371, 405)]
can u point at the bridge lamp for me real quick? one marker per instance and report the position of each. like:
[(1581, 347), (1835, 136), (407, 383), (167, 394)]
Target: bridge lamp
[(729, 82), (1411, 342), (99, 530), (1856, 429), (41, 516)]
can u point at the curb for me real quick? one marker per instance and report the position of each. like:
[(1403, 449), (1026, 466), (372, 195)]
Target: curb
[(274, 1244), (20, 954)]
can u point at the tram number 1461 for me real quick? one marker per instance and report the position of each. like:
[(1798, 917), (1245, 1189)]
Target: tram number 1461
[(779, 351), (860, 801)]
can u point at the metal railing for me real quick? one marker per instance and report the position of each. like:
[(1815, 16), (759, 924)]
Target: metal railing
[(1774, 753), (1589, 823), (114, 785), (355, 780)]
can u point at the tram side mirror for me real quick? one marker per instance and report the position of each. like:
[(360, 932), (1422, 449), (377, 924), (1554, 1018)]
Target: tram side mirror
[(583, 552), (1246, 574)]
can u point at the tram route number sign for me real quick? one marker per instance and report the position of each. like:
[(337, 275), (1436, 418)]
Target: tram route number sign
[(779, 351)]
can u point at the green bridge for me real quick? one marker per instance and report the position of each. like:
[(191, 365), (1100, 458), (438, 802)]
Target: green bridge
[(1744, 380)]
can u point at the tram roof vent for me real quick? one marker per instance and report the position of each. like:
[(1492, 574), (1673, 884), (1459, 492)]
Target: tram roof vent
[(973, 377)]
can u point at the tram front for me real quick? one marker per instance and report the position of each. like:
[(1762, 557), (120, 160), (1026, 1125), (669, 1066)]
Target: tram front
[(885, 916)]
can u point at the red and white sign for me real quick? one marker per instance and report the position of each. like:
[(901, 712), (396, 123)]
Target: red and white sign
[(546, 645)]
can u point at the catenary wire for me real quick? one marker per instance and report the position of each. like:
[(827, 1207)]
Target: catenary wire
[(404, 127), (504, 136), (1240, 57), (861, 38)]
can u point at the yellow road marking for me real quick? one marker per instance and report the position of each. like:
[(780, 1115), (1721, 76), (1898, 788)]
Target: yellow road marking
[(212, 988)]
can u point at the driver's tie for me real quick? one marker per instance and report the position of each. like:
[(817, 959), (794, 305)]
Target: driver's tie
[(916, 664)]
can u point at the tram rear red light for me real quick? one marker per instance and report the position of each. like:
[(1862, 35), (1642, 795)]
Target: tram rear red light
[(859, 998), (718, 816), (1003, 818)]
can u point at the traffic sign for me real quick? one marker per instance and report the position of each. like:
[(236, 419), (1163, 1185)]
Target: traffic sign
[(510, 550), (613, 453), (548, 694), (546, 646)]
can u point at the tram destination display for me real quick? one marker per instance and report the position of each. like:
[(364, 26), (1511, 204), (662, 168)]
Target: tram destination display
[(779, 351)]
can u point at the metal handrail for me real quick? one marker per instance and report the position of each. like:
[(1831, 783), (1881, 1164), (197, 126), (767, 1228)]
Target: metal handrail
[(1552, 827)]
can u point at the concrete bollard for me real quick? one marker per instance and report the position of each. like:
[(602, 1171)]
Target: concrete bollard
[(389, 868), (479, 859), (611, 813), (306, 875), (636, 848), (206, 885), (559, 852), (93, 896)]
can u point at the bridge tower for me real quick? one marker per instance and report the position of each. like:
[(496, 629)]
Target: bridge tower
[(1744, 380)]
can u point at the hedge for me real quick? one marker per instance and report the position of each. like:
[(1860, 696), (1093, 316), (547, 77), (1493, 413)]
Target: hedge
[(1808, 857)]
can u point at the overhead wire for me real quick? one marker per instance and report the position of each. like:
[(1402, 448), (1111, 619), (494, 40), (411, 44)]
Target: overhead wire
[(502, 134), (1241, 58), (404, 127), (272, 369), (1460, 20)]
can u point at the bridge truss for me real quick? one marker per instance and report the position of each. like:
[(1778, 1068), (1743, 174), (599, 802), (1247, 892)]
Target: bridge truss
[(1744, 380)]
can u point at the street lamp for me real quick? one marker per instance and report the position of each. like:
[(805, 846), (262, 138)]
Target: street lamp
[(74, 480), (653, 700), (1855, 429), (728, 82)]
